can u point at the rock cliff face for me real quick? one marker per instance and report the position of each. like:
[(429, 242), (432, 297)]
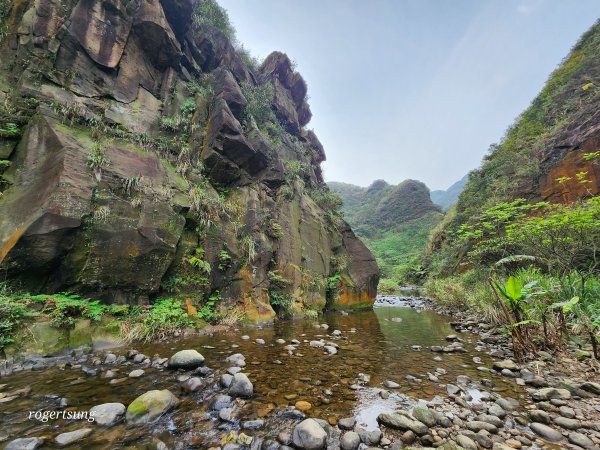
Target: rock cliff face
[(139, 159)]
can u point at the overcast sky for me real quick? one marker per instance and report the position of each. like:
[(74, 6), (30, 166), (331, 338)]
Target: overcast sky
[(414, 88)]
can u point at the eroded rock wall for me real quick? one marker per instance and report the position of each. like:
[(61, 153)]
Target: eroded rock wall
[(133, 162)]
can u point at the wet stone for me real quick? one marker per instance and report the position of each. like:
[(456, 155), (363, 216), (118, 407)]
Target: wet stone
[(71, 437), (30, 443), (108, 414)]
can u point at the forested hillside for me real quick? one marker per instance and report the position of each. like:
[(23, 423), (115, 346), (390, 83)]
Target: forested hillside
[(394, 222), (530, 214)]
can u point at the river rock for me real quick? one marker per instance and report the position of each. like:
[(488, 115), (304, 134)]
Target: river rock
[(236, 360), (550, 434), (253, 424), (64, 439), (309, 435), (108, 414), (476, 425), (186, 359), (346, 423), (136, 373), (591, 387), (425, 415), (494, 420), (466, 442), (30, 443), (370, 437), (241, 386), (391, 384), (226, 415), (567, 411), (400, 420), (580, 439), (221, 401), (505, 364), (226, 380), (192, 384), (569, 424), (350, 441), (330, 350), (550, 393), (496, 410), (303, 405), (150, 406), (452, 389)]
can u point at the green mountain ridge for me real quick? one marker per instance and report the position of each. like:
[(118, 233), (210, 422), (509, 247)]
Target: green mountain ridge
[(393, 221)]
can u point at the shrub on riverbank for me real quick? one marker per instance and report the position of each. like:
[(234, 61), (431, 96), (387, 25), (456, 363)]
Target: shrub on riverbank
[(543, 310)]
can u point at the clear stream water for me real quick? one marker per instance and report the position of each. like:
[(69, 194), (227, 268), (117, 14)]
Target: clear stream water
[(376, 343)]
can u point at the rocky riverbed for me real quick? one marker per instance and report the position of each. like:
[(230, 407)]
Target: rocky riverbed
[(390, 378)]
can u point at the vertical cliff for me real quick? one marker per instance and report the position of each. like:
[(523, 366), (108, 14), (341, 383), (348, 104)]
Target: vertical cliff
[(143, 155)]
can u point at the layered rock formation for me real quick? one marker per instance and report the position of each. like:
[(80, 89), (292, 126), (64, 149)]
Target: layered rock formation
[(136, 164)]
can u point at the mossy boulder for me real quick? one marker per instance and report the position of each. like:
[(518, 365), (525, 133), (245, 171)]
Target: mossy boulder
[(150, 406)]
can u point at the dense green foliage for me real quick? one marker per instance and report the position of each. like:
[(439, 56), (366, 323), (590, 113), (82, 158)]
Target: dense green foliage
[(13, 313), (209, 12), (162, 319)]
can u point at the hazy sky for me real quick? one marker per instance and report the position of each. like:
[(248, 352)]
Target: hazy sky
[(414, 88)]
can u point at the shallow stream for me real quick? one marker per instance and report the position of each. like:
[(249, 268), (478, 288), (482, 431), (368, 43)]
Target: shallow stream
[(374, 346)]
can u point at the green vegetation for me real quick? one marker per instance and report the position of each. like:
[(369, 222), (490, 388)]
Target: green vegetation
[(537, 273), (209, 12), (14, 312), (98, 161), (394, 222), (163, 319), (258, 108), (158, 321), (4, 10)]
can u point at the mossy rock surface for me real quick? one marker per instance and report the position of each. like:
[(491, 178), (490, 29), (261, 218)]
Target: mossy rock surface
[(150, 406)]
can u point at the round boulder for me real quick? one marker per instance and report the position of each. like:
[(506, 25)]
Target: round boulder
[(150, 406), (241, 386), (186, 359), (309, 435), (107, 414)]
